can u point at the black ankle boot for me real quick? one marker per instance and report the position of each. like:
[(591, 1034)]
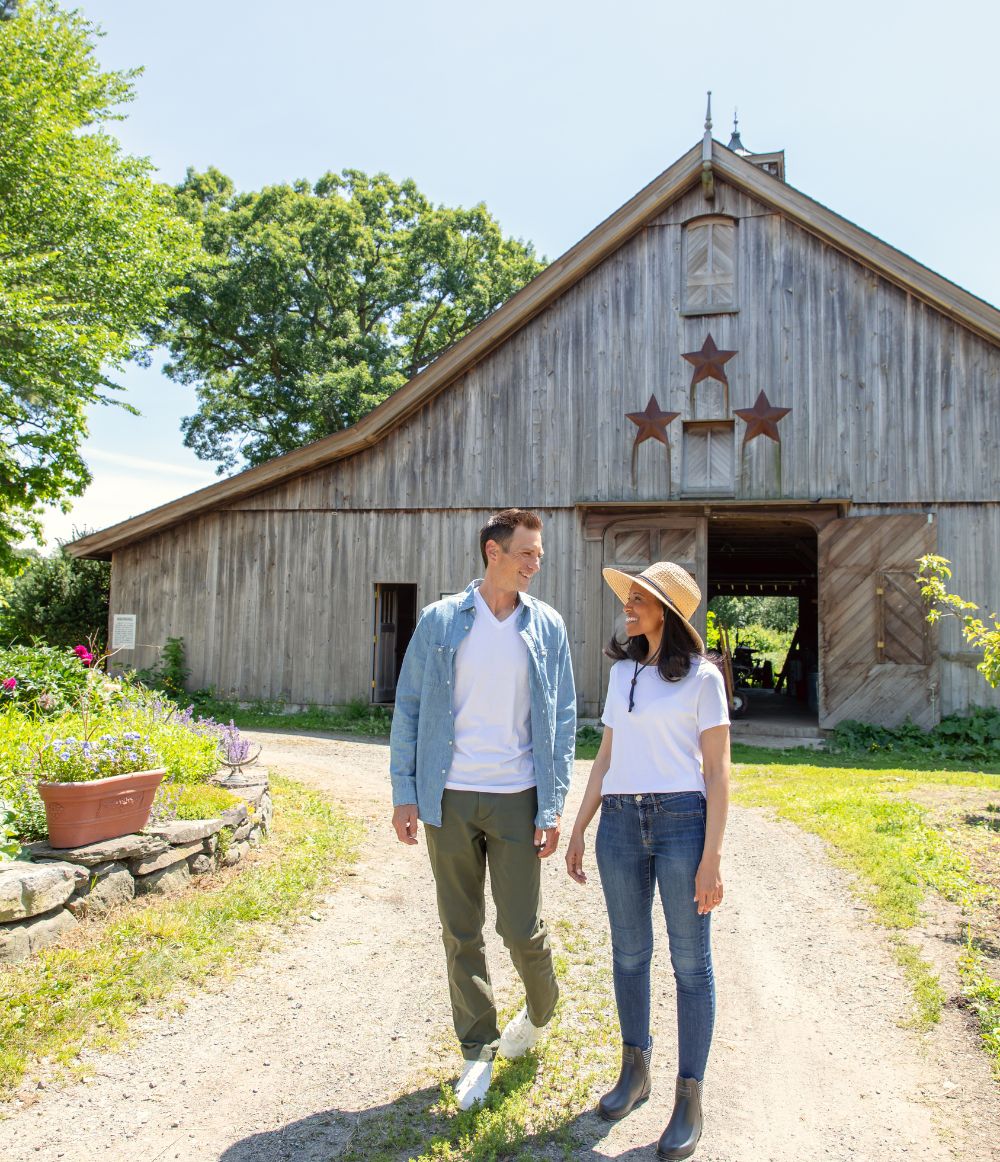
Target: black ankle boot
[(632, 1087), (683, 1130)]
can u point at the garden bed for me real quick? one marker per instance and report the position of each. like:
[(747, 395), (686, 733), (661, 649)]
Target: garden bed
[(47, 891)]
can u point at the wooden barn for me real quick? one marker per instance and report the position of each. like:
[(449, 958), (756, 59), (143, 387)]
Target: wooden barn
[(723, 373)]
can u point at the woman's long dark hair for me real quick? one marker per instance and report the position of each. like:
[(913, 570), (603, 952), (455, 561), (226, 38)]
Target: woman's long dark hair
[(676, 648)]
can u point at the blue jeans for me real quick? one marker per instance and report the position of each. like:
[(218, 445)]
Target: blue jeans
[(642, 840)]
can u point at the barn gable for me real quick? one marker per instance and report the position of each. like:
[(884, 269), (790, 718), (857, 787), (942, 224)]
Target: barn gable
[(807, 378), (744, 191)]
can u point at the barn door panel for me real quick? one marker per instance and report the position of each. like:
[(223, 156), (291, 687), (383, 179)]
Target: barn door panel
[(384, 681), (878, 655)]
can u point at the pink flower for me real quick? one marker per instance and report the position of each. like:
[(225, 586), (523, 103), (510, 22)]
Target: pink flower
[(85, 656), (9, 684)]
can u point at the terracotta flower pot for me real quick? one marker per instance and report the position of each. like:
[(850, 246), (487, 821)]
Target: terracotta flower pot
[(81, 813)]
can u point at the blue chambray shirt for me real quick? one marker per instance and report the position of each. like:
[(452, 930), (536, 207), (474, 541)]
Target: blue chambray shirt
[(423, 722)]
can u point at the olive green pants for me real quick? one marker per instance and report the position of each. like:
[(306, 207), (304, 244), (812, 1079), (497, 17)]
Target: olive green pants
[(496, 830)]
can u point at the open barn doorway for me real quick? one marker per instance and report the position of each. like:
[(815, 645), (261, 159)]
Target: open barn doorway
[(394, 622), (763, 584)]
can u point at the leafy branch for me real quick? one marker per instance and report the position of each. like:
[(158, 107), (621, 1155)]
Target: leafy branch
[(983, 634)]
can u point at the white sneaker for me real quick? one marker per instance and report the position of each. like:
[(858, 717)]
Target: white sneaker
[(519, 1035), (473, 1083)]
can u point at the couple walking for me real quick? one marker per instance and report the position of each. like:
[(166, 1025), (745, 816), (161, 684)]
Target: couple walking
[(482, 747)]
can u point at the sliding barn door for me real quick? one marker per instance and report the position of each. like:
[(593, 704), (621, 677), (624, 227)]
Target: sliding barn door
[(879, 658)]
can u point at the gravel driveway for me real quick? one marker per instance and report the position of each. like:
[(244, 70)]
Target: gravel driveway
[(347, 1012)]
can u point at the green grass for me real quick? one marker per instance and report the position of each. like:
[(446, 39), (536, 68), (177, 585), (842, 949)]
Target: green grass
[(894, 846), (982, 995), (357, 717), (534, 1102), (68, 999)]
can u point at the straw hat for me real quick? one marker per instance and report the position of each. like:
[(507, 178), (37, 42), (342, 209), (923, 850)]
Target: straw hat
[(669, 583)]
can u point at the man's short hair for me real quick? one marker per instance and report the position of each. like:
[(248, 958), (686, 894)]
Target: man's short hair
[(501, 525)]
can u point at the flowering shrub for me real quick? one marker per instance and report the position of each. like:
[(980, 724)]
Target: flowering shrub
[(43, 679), (85, 656), (65, 720), (80, 760)]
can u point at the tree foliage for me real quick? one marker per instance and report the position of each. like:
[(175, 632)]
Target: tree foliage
[(57, 601), (311, 304), (776, 613), (933, 574), (90, 251)]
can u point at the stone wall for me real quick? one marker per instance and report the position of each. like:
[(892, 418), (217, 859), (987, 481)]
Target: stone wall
[(46, 895)]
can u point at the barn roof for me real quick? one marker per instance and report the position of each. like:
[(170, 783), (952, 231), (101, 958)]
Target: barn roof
[(948, 298)]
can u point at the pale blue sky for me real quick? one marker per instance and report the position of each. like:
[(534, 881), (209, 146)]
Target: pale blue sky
[(554, 113)]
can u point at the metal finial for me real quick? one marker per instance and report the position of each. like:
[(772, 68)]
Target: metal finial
[(735, 144), (708, 112)]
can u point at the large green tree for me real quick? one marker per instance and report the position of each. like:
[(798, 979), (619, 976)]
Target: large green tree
[(311, 304), (91, 249)]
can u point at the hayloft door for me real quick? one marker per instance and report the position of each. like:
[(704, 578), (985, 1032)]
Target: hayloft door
[(634, 544), (395, 618), (878, 655)]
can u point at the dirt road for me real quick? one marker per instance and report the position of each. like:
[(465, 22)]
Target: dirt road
[(347, 1012)]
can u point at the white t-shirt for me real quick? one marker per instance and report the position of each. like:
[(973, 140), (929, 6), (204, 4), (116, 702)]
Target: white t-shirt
[(657, 748), (492, 705)]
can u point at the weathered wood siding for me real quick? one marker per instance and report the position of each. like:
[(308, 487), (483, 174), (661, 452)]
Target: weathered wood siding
[(280, 605), (891, 401), (894, 405)]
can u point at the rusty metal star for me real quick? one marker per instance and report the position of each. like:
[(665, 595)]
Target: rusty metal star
[(762, 419), (709, 362), (652, 423)]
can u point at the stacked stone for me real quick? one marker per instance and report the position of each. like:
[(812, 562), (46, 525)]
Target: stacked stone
[(42, 898)]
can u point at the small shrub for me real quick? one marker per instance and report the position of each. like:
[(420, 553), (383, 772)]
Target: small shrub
[(171, 674), (589, 736), (46, 679)]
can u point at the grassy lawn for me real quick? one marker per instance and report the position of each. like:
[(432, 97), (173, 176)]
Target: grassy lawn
[(905, 832), (355, 718), (80, 996)]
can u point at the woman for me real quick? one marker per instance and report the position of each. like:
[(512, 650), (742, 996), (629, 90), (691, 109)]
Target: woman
[(661, 779)]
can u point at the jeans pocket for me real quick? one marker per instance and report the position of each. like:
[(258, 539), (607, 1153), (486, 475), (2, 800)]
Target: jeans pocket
[(611, 803), (682, 805)]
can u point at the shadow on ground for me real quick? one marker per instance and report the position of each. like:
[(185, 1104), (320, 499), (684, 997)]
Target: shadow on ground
[(404, 1129)]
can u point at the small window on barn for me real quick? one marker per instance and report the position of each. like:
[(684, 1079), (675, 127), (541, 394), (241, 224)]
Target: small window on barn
[(709, 458), (709, 267)]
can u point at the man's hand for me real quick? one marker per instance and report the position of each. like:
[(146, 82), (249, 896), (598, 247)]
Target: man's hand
[(548, 840), (404, 822)]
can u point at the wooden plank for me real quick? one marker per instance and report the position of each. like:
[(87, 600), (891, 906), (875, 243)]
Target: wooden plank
[(859, 676)]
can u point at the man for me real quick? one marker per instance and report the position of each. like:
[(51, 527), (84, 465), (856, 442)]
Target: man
[(482, 746)]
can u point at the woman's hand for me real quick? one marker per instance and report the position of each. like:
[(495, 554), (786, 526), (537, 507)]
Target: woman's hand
[(574, 858), (708, 890)]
